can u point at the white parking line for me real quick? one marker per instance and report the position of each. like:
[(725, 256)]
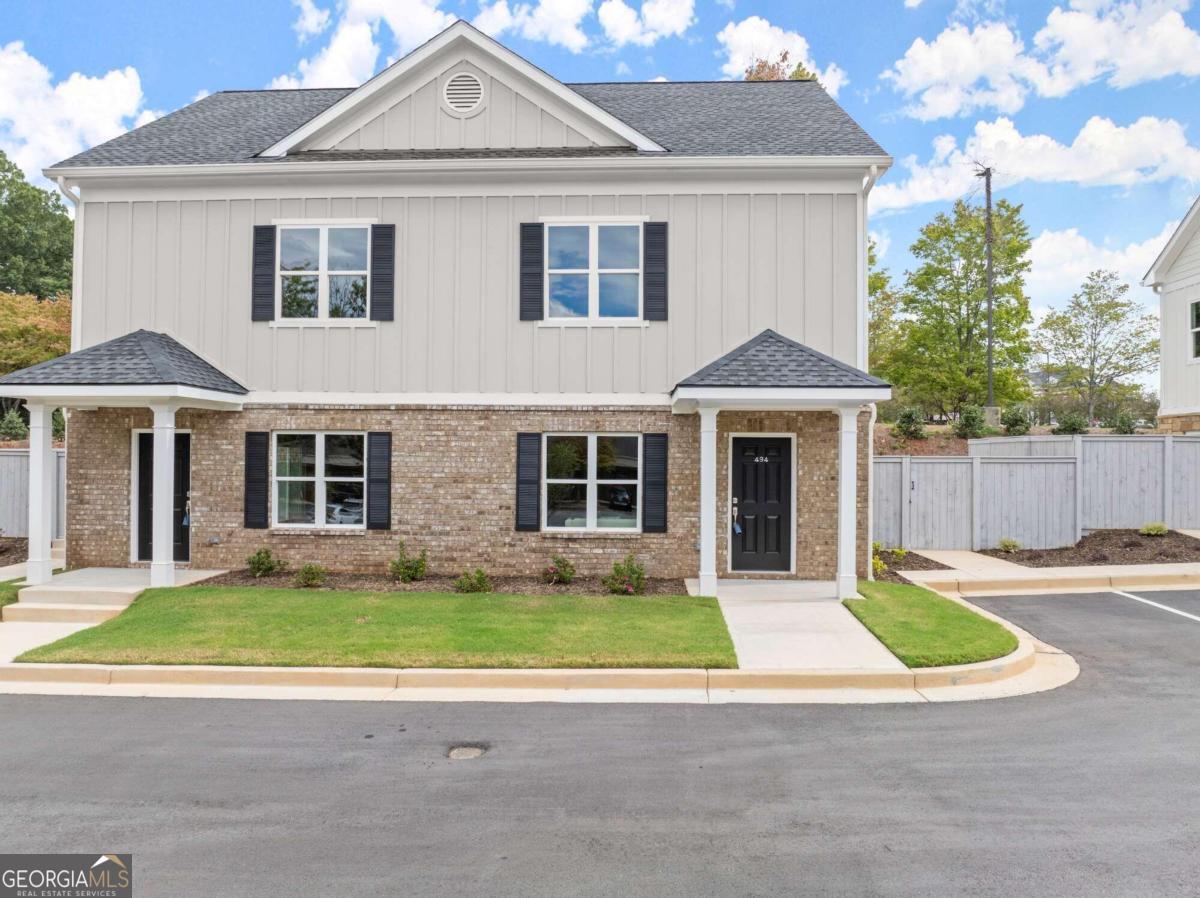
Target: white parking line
[(1157, 605)]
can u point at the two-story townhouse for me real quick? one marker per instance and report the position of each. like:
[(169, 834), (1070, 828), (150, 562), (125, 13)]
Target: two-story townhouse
[(1175, 277), (474, 308)]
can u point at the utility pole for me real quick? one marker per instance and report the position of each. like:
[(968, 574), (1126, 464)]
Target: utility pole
[(985, 172)]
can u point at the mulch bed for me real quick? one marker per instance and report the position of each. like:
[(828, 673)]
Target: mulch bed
[(910, 562), (13, 549), (1109, 547), (526, 586)]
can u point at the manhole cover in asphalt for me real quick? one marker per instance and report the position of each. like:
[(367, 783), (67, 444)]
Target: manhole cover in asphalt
[(465, 752)]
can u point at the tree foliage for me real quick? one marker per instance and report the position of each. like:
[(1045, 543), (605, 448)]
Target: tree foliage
[(35, 237), (32, 330), (1099, 342), (940, 355), (764, 69)]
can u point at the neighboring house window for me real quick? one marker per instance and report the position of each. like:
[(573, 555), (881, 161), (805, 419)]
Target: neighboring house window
[(1195, 326), (320, 479), (323, 271), (594, 271), (591, 481)]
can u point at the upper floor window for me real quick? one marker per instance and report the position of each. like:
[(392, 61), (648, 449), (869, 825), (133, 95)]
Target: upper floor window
[(323, 271), (594, 271), (1194, 323)]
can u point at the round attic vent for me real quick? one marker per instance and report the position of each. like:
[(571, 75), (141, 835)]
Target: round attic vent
[(463, 92)]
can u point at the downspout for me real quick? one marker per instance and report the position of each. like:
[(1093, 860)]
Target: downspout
[(76, 265)]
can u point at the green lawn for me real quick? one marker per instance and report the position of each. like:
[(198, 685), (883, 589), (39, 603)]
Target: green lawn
[(8, 591), (924, 629), (289, 627)]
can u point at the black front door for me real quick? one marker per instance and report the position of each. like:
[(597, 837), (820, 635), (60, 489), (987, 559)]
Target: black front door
[(760, 526), (181, 524)]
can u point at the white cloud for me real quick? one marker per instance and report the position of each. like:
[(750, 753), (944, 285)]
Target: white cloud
[(623, 69), (755, 38), (201, 94), (657, 19), (43, 122), (911, 4), (658, 78), (310, 20), (1061, 260), (883, 241), (1126, 43), (1102, 153), (556, 22)]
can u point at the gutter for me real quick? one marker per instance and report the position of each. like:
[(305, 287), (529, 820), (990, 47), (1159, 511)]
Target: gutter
[(61, 181)]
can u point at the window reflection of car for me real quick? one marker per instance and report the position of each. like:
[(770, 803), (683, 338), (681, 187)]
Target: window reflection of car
[(348, 511), (619, 498)]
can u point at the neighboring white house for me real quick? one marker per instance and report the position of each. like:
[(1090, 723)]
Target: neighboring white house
[(1175, 277)]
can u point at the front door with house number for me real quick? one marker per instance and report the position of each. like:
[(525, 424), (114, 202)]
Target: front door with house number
[(181, 517), (760, 526)]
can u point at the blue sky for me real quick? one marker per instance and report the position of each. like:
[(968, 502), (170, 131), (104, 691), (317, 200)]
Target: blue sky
[(1088, 109)]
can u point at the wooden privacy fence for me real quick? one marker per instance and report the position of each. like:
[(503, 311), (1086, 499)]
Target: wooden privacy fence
[(1043, 492), (14, 492)]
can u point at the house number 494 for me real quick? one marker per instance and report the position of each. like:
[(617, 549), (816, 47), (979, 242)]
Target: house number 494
[(760, 459)]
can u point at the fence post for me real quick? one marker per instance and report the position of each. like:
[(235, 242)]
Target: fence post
[(1167, 490), (1078, 449), (905, 498), (976, 522)]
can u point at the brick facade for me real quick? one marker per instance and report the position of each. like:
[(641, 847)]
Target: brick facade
[(1178, 424), (453, 488)]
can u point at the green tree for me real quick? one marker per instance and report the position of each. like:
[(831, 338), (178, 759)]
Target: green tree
[(32, 330), (1099, 341), (941, 362), (764, 69), (35, 237)]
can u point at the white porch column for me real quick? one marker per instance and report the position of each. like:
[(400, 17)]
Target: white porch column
[(162, 557), (708, 501), (39, 567), (847, 575)]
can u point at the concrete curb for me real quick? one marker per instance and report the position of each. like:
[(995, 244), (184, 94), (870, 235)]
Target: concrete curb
[(1034, 584)]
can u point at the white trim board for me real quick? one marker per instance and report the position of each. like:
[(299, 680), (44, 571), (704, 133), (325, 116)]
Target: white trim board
[(542, 400)]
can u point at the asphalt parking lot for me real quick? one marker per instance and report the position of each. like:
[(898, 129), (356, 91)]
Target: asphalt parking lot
[(1092, 788)]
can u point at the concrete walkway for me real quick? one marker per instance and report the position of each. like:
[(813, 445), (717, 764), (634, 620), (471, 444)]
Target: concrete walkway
[(972, 562)]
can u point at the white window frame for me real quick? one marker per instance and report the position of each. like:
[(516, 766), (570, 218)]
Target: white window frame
[(1193, 330), (319, 478), (591, 483), (593, 271), (322, 271)]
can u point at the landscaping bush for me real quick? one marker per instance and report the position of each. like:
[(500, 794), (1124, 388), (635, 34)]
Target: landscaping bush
[(1008, 545), (12, 426), (899, 554), (1156, 528), (311, 576), (473, 581), (263, 563), (559, 571), (627, 577), (970, 424), (407, 568), (1016, 420), (1070, 424), (910, 424), (878, 565), (1124, 424)]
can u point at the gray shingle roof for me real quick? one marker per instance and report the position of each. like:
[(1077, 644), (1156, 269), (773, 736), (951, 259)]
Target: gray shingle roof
[(143, 358), (772, 360), (711, 118)]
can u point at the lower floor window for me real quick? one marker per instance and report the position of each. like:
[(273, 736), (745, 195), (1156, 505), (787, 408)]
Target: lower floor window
[(591, 481), (320, 479)]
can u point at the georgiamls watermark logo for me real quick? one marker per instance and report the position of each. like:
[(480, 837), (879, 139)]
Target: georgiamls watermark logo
[(66, 876)]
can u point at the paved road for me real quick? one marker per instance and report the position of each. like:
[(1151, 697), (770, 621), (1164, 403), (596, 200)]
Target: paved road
[(1091, 789)]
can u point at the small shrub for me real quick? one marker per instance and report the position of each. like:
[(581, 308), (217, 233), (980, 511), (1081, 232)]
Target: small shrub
[(263, 563), (1124, 424), (970, 424), (407, 568), (58, 425), (627, 577), (878, 565), (1155, 528), (910, 424), (1071, 424), (311, 576), (1016, 420), (876, 547), (899, 554), (560, 570), (12, 426), (473, 581), (1008, 545)]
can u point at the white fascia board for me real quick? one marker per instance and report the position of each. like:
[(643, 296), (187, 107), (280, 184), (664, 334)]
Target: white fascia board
[(691, 398), (122, 395), (460, 30), (495, 400), (1166, 258)]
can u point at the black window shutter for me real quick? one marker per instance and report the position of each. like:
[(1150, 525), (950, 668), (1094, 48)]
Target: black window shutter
[(529, 477), (379, 481), (262, 298), (258, 479), (654, 483), (654, 254), (383, 272), (532, 274)]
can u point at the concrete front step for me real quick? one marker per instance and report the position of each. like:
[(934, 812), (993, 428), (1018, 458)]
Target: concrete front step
[(59, 613), (50, 594)]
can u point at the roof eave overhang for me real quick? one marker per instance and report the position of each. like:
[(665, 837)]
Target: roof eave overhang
[(123, 396), (685, 399), (1166, 258)]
